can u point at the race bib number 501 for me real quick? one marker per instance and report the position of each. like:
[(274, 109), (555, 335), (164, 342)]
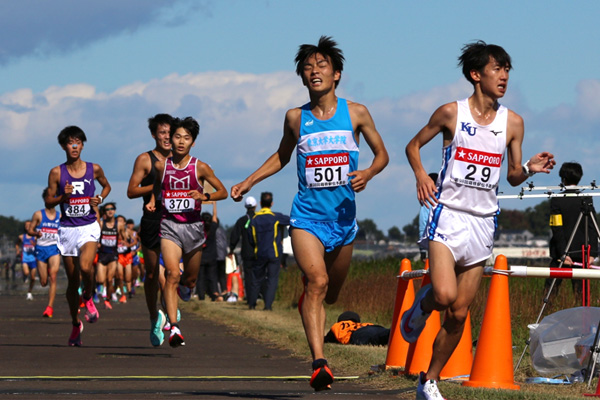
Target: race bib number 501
[(178, 201), (476, 168), (327, 170)]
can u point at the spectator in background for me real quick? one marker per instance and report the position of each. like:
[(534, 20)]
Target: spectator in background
[(564, 212), (238, 232), (266, 238)]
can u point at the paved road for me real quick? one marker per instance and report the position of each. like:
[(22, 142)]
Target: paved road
[(117, 360)]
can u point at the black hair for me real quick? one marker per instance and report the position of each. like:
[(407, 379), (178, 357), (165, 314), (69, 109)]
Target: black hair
[(349, 316), (476, 55), (159, 119), (69, 132), (44, 193), (266, 199), (110, 204), (130, 221), (190, 125), (326, 47), (570, 173)]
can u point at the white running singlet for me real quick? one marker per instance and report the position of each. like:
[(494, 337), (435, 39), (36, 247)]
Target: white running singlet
[(470, 173)]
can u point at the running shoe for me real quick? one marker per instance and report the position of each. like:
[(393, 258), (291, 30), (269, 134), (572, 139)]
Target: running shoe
[(322, 377), (96, 298), (427, 389), (75, 338), (81, 302), (29, 296), (123, 299), (167, 326), (157, 337), (91, 313), (114, 298), (184, 292), (48, 313), (176, 339), (414, 319), (107, 305)]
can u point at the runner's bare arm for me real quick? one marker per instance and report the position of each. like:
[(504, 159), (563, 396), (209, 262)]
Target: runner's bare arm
[(366, 126), (36, 219), (275, 162), (443, 121), (101, 178), (141, 168), (159, 167), (52, 200), (204, 171)]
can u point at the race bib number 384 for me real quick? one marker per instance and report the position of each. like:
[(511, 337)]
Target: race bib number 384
[(476, 168), (78, 207), (327, 170), (178, 201)]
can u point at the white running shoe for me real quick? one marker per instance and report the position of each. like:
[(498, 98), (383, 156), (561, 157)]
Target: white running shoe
[(428, 390), (414, 319), (29, 296)]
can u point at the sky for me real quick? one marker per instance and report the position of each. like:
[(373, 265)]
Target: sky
[(108, 66)]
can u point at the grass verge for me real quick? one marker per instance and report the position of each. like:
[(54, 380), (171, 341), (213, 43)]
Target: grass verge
[(370, 291)]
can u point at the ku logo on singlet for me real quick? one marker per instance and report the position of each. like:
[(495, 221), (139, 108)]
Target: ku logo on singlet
[(466, 127)]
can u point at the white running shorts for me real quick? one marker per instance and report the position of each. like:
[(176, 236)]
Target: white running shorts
[(72, 238), (470, 238)]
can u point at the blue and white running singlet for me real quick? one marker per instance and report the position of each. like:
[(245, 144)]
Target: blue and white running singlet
[(326, 153)]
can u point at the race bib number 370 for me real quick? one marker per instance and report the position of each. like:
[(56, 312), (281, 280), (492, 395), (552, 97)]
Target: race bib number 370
[(476, 168), (327, 170), (178, 201)]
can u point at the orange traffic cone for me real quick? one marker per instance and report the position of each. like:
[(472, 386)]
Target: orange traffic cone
[(493, 364), (397, 346), (420, 352), (461, 361)]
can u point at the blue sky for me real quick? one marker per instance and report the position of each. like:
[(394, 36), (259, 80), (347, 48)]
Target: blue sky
[(108, 66)]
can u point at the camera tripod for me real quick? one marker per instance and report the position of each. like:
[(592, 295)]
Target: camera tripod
[(586, 214)]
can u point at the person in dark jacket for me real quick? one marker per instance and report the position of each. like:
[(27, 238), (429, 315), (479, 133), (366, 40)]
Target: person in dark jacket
[(564, 212), (264, 234), (239, 232)]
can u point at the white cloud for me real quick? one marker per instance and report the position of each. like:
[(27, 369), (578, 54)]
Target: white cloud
[(241, 118)]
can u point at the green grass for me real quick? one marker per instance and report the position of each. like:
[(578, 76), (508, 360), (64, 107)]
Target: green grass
[(370, 291)]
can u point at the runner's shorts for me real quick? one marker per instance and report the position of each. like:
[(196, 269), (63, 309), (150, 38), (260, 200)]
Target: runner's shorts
[(72, 238), (43, 253), (332, 234), (125, 259), (188, 236), (470, 238), (106, 258), (31, 264), (149, 230)]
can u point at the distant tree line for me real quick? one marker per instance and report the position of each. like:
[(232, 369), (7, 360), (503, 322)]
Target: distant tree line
[(534, 219)]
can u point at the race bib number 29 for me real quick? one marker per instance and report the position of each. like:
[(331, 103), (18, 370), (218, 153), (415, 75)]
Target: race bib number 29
[(327, 170), (476, 168), (178, 201)]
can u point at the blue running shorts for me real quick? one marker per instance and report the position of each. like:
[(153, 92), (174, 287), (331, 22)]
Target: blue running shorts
[(43, 253), (332, 234)]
